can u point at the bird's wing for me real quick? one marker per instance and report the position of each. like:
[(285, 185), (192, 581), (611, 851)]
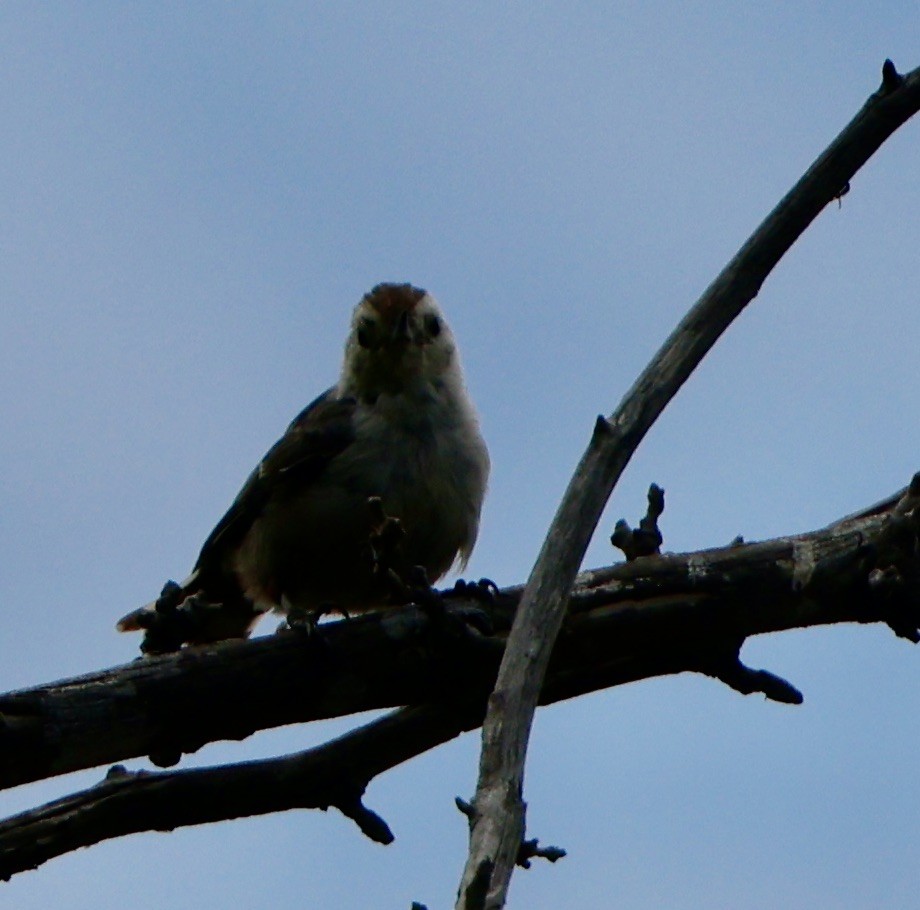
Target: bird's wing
[(322, 430)]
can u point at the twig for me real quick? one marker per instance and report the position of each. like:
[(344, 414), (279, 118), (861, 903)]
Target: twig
[(728, 668), (498, 827), (645, 540)]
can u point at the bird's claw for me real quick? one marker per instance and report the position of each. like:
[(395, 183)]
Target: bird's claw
[(302, 620), (485, 590), (305, 621)]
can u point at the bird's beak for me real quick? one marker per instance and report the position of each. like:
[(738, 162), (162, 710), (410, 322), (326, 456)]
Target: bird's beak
[(401, 328)]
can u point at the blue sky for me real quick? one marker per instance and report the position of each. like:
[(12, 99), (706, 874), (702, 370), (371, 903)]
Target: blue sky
[(194, 198)]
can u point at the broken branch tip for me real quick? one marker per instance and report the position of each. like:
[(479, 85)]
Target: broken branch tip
[(891, 78)]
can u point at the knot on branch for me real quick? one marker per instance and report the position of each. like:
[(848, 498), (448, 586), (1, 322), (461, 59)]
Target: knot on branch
[(171, 744), (166, 756), (528, 849), (645, 540), (120, 773), (178, 619)]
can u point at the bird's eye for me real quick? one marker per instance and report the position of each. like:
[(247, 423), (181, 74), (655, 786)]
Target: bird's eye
[(432, 325), (365, 335)]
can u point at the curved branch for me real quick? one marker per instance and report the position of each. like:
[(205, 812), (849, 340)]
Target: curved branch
[(498, 825)]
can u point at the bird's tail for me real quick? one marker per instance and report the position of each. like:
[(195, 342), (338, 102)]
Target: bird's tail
[(135, 621)]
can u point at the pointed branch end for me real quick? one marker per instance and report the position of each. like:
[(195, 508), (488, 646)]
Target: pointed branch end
[(903, 625), (913, 490), (729, 670), (891, 78), (370, 823), (466, 808)]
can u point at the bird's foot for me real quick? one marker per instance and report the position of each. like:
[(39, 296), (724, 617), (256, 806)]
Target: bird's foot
[(299, 619), (305, 621), (483, 592), (434, 603), (417, 589)]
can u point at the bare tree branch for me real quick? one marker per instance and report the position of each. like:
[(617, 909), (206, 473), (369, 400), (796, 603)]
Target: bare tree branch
[(653, 616), (127, 802), (172, 704), (498, 826)]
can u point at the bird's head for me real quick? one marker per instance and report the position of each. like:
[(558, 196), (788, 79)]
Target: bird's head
[(399, 342)]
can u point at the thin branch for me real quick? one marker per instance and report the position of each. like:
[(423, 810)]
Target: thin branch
[(652, 616), (498, 827), (335, 774)]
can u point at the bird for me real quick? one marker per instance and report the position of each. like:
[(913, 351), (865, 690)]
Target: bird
[(397, 436)]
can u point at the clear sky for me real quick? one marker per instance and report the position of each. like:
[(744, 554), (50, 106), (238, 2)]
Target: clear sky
[(194, 197)]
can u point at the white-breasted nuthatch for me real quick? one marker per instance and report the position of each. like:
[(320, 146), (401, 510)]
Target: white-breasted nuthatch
[(398, 426)]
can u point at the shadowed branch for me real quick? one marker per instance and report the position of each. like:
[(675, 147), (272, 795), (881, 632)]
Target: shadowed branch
[(655, 615)]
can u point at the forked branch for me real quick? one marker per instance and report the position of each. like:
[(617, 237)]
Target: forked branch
[(652, 616)]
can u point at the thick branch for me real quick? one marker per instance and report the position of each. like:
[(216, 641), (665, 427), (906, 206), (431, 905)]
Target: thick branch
[(498, 826), (620, 616), (652, 616), (172, 704)]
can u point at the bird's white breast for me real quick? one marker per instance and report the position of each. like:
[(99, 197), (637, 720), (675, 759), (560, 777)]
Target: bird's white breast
[(424, 456)]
